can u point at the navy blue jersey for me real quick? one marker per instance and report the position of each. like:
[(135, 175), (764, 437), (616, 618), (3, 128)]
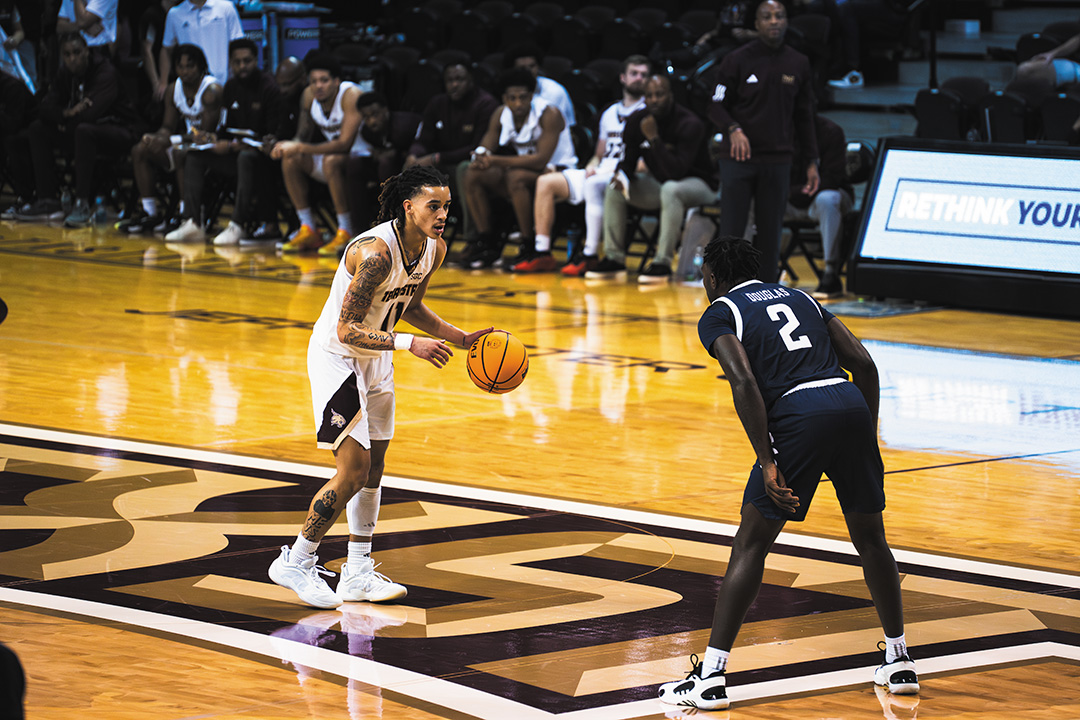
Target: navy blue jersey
[(783, 332)]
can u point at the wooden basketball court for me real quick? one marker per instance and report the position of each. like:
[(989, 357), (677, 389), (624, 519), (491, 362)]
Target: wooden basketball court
[(561, 543)]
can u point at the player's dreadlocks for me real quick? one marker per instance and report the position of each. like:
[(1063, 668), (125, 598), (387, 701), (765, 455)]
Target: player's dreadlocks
[(731, 259), (404, 186)]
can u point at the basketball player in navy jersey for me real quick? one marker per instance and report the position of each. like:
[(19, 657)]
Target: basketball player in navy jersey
[(381, 278), (785, 356)]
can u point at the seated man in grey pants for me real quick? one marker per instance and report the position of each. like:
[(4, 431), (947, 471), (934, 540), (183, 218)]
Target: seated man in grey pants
[(834, 199), (674, 173)]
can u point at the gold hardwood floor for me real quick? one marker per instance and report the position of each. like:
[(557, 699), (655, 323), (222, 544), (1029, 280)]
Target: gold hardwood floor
[(122, 338)]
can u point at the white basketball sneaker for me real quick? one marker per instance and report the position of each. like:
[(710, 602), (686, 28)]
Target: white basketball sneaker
[(303, 578), (704, 693), (898, 676), (363, 584)]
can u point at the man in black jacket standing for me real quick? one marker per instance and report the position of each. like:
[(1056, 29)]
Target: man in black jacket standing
[(763, 99)]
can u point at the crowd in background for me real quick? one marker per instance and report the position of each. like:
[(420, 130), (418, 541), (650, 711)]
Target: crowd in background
[(169, 115)]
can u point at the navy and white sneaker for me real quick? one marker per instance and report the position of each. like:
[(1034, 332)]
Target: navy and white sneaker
[(899, 675), (705, 693)]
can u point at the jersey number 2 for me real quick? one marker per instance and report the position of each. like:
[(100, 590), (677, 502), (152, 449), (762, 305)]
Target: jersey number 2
[(780, 311)]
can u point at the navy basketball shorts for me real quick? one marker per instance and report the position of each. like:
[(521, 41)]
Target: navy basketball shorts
[(351, 397), (823, 430)]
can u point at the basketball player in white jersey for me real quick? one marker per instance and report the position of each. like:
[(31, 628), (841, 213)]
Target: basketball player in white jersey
[(381, 278), (588, 184), (191, 108), (329, 106), (524, 138)]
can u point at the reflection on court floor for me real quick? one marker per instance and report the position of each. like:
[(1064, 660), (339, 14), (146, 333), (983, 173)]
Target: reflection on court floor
[(518, 606)]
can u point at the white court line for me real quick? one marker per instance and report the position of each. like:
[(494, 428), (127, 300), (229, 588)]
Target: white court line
[(476, 702), (577, 507), (417, 685)]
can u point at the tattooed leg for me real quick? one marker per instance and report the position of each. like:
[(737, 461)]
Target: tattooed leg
[(321, 515)]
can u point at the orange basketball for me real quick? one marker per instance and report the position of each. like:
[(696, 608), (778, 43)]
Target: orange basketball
[(497, 362)]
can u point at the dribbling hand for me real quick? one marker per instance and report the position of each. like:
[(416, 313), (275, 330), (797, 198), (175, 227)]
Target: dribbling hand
[(470, 338), (777, 490), (436, 352)]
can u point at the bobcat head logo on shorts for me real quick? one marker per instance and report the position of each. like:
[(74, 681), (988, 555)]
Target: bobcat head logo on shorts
[(337, 419)]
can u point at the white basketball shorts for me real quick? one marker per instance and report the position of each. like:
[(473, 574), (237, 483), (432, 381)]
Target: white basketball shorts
[(317, 172), (351, 397), (575, 181)]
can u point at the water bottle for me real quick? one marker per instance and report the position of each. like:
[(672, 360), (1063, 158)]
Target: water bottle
[(699, 258), (99, 211), (573, 241)]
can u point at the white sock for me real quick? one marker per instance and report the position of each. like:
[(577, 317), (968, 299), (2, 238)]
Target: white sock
[(363, 510), (149, 206), (715, 659), (303, 549), (306, 217), (359, 551), (543, 243), (895, 648), (344, 222), (594, 227)]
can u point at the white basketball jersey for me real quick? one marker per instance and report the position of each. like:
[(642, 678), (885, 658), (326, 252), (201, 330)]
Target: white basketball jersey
[(524, 140), (612, 124), (192, 113), (331, 125), (390, 299)]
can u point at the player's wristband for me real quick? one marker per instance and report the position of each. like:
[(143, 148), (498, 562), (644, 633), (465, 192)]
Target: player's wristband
[(176, 139), (402, 341)]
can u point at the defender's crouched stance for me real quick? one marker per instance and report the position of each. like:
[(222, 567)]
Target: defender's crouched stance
[(785, 355)]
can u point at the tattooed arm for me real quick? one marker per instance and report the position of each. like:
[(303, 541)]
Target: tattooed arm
[(369, 262)]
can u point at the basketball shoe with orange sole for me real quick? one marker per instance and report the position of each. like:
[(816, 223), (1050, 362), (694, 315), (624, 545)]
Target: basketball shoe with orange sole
[(303, 240)]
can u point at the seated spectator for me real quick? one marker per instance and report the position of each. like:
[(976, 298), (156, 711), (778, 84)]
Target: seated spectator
[(523, 139), (250, 102), (834, 199), (588, 184), (327, 107), (19, 110), (95, 19), (83, 114), (292, 80), (379, 152), (453, 124), (192, 109), (678, 174), (1044, 73), (530, 57), (291, 77)]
